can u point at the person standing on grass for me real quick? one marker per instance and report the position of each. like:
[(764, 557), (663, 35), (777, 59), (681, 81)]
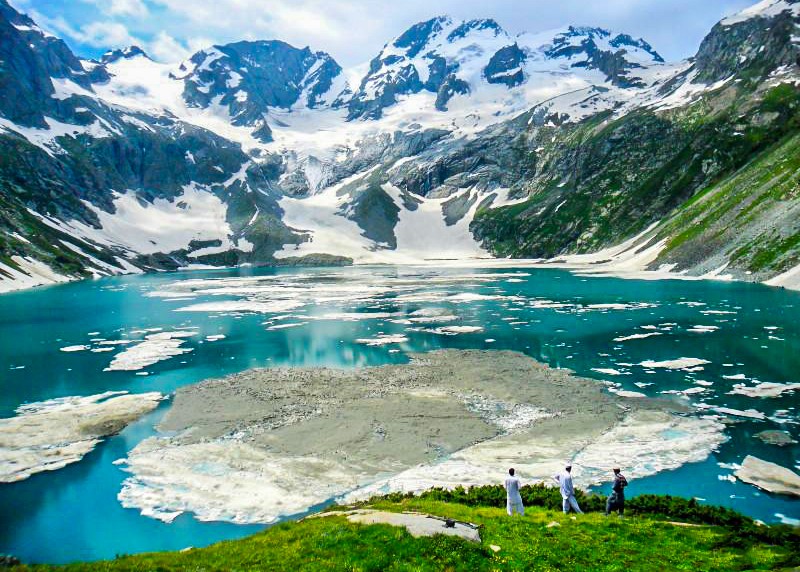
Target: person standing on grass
[(617, 497), (564, 480), (513, 498)]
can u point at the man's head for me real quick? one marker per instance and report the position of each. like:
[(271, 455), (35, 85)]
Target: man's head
[(568, 468), (511, 472), (616, 470)]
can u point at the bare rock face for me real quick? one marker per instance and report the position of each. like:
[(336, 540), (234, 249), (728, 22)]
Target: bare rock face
[(769, 476)]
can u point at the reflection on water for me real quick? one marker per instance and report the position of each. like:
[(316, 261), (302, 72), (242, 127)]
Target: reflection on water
[(596, 326)]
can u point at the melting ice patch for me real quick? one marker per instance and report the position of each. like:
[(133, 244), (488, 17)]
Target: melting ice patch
[(609, 371), (234, 481), (262, 307), (228, 481), (636, 336), (765, 389), (383, 339), (506, 416), (287, 326), (454, 330), (682, 363), (155, 348), (702, 329), (749, 413), (645, 443), (48, 435)]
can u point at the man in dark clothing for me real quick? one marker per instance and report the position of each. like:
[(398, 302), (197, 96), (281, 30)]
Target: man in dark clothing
[(617, 497)]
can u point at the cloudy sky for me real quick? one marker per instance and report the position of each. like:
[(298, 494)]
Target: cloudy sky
[(353, 31)]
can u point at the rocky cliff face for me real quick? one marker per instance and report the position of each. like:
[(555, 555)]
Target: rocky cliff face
[(752, 44), (248, 78), (459, 141)]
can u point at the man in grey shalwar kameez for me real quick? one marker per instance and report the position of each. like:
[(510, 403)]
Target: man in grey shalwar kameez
[(513, 498), (564, 480)]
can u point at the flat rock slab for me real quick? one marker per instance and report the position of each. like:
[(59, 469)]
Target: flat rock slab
[(417, 524), (769, 476)]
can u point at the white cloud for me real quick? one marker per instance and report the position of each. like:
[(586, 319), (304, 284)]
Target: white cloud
[(353, 31), (100, 34), (135, 8), (166, 48), (106, 34)]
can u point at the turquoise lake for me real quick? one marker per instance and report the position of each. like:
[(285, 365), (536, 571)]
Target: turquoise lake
[(749, 334)]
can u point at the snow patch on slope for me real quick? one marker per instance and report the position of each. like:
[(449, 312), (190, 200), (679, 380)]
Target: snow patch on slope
[(31, 273), (160, 226)]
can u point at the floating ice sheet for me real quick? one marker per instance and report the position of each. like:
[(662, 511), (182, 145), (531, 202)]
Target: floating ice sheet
[(155, 348), (681, 363), (48, 435), (765, 389), (446, 419)]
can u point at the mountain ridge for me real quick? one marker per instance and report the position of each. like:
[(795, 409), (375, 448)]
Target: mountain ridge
[(457, 136)]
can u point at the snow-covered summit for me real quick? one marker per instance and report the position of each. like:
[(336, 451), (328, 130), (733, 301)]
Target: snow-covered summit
[(451, 58), (248, 78), (439, 56), (764, 9), (112, 56)]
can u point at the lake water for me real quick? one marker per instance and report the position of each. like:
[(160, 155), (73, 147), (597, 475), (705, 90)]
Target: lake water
[(747, 333)]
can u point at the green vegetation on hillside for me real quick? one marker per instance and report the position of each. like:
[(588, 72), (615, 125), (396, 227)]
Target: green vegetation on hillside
[(595, 184), (653, 537)]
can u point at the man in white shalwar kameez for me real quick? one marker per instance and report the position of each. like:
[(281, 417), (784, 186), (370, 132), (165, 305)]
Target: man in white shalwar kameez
[(564, 480), (513, 498)]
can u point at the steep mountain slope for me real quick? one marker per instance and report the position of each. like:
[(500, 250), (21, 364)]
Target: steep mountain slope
[(458, 140)]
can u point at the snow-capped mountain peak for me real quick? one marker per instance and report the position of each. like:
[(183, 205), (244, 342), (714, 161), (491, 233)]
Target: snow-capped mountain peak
[(439, 55), (763, 9), (249, 78), (616, 55), (112, 56)]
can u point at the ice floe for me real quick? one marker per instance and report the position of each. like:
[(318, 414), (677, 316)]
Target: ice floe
[(48, 435), (155, 348), (446, 419), (228, 481), (636, 336), (769, 476), (699, 329), (454, 330), (254, 306), (609, 371), (287, 325), (749, 413), (76, 348), (682, 363), (383, 339), (764, 389)]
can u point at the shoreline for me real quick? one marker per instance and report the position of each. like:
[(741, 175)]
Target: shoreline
[(628, 260), (597, 270)]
